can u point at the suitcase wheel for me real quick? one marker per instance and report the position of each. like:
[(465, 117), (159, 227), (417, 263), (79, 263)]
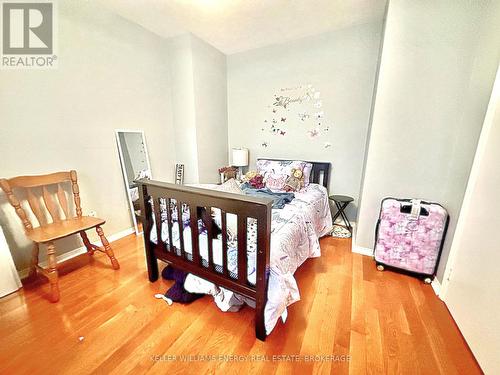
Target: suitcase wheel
[(380, 267), (427, 280)]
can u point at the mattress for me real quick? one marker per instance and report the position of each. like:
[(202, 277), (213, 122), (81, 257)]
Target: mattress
[(295, 233)]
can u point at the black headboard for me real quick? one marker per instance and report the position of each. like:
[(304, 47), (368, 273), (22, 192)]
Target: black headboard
[(320, 173)]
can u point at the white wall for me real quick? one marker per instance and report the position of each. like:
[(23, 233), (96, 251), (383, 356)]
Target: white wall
[(210, 87), (341, 65), (183, 105), (437, 70), (199, 103), (473, 289), (112, 74)]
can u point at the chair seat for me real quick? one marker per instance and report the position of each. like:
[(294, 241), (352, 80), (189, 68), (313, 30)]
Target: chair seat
[(63, 228)]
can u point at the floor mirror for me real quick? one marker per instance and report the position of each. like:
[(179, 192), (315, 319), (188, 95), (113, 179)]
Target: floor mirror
[(134, 160)]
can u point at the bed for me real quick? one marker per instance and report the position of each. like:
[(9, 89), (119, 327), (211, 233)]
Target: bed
[(256, 264)]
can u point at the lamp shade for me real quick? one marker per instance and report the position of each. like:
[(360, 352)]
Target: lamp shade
[(240, 157)]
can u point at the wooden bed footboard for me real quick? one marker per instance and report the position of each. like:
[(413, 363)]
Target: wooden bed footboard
[(198, 201)]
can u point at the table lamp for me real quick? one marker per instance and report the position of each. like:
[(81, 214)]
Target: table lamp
[(240, 159)]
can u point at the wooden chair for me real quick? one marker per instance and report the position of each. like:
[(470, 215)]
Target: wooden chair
[(47, 232)]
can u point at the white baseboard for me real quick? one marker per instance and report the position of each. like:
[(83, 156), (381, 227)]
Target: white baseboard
[(362, 250), (436, 286), (368, 251), (116, 236), (78, 251)]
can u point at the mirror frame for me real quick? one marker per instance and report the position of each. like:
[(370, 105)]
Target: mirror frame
[(124, 170)]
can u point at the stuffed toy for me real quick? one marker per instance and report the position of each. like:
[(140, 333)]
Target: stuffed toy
[(295, 181), (257, 182), (254, 179), (249, 175)]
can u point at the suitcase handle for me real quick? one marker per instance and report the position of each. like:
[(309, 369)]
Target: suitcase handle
[(406, 209)]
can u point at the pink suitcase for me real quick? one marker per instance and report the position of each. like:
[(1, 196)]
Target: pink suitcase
[(410, 235)]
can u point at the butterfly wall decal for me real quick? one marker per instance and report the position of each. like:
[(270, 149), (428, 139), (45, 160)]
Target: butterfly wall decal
[(312, 133), (303, 116), (303, 101)]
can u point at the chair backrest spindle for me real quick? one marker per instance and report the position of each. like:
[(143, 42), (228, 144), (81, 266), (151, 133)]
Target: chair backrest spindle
[(50, 205), (76, 192), (35, 207), (4, 184), (63, 201)]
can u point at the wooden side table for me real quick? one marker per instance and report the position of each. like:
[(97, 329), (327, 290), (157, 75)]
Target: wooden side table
[(341, 202)]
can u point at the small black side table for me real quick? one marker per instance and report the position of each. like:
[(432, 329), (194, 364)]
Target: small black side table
[(342, 201)]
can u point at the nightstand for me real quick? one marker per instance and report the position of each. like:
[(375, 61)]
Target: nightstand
[(341, 202)]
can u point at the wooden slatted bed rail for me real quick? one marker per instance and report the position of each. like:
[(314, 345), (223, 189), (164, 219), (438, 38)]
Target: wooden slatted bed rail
[(199, 203), (166, 197)]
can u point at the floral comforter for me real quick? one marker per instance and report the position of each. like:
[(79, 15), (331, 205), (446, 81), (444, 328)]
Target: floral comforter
[(295, 233)]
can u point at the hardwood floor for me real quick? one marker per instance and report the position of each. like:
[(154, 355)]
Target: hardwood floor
[(107, 322)]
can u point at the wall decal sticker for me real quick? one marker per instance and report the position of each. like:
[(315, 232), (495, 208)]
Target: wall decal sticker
[(303, 116), (312, 133), (297, 109), (319, 115)]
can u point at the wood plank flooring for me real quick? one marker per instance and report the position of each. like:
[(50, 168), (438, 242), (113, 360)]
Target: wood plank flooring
[(352, 319)]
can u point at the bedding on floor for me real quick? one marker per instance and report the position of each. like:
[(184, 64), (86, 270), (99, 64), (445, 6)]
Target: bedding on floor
[(295, 232)]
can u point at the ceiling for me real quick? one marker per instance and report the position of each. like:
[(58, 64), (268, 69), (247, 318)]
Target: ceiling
[(238, 25)]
